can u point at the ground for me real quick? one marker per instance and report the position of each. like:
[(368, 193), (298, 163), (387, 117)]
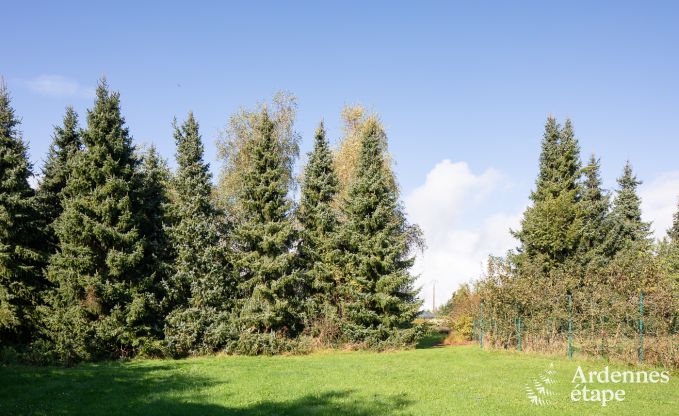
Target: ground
[(426, 381)]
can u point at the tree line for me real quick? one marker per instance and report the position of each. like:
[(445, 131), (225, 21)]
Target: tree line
[(585, 256), (114, 255)]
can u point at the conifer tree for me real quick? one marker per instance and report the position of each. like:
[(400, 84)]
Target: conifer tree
[(155, 268), (628, 230), (594, 210), (100, 306), (379, 302), (550, 228), (317, 247), (20, 256), (201, 285), (269, 283), (66, 144)]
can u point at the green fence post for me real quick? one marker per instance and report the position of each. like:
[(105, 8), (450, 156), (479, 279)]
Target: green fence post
[(481, 327), (570, 326), (519, 333), (641, 327)]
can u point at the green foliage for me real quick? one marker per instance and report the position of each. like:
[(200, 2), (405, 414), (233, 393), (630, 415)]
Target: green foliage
[(627, 230), (318, 253), (378, 299), (102, 305), (66, 144), (270, 285), (21, 258), (464, 326), (594, 209), (200, 288), (551, 228), (154, 176)]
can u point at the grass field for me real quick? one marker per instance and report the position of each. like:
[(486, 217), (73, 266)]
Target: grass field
[(427, 381)]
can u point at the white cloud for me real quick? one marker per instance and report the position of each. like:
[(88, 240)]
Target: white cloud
[(659, 201), (58, 86), (456, 252)]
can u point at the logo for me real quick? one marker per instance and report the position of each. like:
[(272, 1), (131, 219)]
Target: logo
[(588, 385), (538, 391)]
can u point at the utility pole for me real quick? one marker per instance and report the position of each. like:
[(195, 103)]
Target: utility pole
[(433, 307)]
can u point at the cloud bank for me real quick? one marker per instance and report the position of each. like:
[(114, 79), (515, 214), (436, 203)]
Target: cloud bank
[(458, 242)]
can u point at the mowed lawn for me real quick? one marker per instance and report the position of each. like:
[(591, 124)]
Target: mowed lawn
[(431, 381)]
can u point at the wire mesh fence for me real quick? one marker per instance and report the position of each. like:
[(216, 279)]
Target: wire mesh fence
[(641, 328)]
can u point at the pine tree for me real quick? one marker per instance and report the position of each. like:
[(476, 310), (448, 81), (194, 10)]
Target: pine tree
[(379, 302), (595, 204), (66, 144), (21, 259), (627, 229), (551, 227), (269, 283), (100, 306), (317, 248), (201, 286)]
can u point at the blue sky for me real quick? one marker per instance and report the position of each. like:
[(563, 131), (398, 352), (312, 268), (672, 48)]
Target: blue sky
[(468, 82)]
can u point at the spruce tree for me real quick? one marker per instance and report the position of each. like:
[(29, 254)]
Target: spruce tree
[(100, 307), (379, 301), (627, 229), (269, 284), (550, 228), (594, 207), (201, 285), (548, 176), (21, 259), (155, 268), (66, 144), (317, 247)]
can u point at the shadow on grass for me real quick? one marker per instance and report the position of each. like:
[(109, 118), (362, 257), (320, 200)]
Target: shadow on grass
[(431, 340), (160, 389)]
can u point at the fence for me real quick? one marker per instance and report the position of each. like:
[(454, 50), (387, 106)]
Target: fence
[(638, 329)]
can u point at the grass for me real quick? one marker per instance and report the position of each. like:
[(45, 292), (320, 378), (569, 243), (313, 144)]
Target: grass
[(426, 381)]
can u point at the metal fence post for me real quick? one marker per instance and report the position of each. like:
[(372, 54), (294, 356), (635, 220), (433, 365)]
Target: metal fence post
[(519, 333), (481, 327), (641, 327), (570, 326)]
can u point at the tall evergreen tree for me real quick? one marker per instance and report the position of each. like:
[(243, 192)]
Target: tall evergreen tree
[(595, 204), (317, 247), (379, 302), (66, 144), (100, 304), (20, 257), (201, 286), (628, 230), (548, 175), (550, 228), (269, 283), (154, 179)]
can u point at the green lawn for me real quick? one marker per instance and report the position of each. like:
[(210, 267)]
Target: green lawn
[(427, 381)]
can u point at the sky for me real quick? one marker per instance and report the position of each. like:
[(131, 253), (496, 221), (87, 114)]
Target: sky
[(463, 89)]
